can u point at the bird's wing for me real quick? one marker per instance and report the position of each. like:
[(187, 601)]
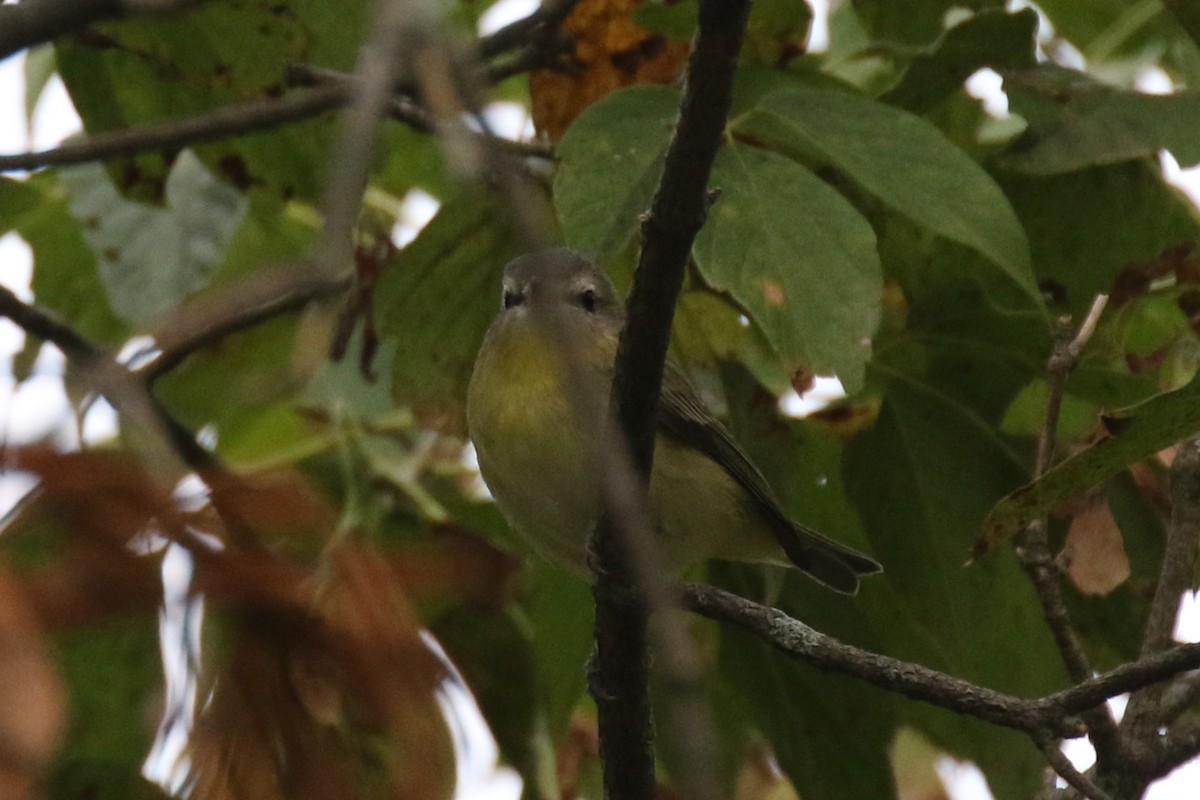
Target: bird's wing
[(684, 416)]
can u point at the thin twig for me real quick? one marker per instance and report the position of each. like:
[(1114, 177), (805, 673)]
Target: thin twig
[(234, 120), (212, 317), (1062, 765), (404, 109), (1036, 558), (394, 29)]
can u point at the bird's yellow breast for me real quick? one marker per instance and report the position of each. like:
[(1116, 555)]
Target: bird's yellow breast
[(533, 451)]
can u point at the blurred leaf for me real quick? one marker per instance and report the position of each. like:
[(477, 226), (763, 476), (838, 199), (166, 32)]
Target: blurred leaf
[(64, 270), (914, 762), (610, 161), (497, 664), (40, 67), (828, 732), (674, 20), (1076, 122), (810, 278), (911, 22), (32, 700), (559, 613), (435, 300), (776, 32), (914, 170), (328, 691), (1118, 38), (114, 675), (150, 259), (992, 39), (923, 479)]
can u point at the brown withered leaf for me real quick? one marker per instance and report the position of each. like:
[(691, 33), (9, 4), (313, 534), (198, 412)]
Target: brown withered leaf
[(330, 690), (32, 702), (89, 583), (457, 565), (611, 51), (1095, 551), (98, 495), (280, 502), (102, 503)]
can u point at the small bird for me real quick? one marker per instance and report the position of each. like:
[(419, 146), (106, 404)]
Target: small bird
[(539, 446)]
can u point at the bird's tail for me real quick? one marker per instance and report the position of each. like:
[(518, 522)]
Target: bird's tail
[(828, 562)]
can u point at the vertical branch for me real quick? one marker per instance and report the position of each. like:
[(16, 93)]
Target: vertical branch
[(376, 71), (676, 215), (1036, 557), (1145, 712)]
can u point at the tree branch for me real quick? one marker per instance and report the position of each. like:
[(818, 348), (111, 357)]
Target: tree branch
[(799, 641), (528, 31), (126, 394), (1144, 714), (32, 22), (676, 214), (404, 109), (233, 120), (1039, 564), (207, 320), (1062, 765)]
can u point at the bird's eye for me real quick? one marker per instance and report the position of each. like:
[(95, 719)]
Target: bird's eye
[(511, 298), (587, 300)]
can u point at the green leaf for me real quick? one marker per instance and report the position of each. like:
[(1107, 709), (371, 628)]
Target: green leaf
[(798, 257), (992, 39), (830, 733), (1076, 122), (435, 300), (256, 365), (111, 726), (149, 68), (776, 31), (922, 479), (1085, 227), (902, 161), (64, 269), (17, 198), (40, 67), (911, 22), (150, 259), (1137, 433), (609, 164)]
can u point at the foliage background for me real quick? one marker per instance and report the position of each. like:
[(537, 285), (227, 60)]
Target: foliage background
[(875, 222)]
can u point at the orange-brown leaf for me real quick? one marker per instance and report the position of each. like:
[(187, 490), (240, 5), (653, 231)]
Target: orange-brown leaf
[(611, 51)]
